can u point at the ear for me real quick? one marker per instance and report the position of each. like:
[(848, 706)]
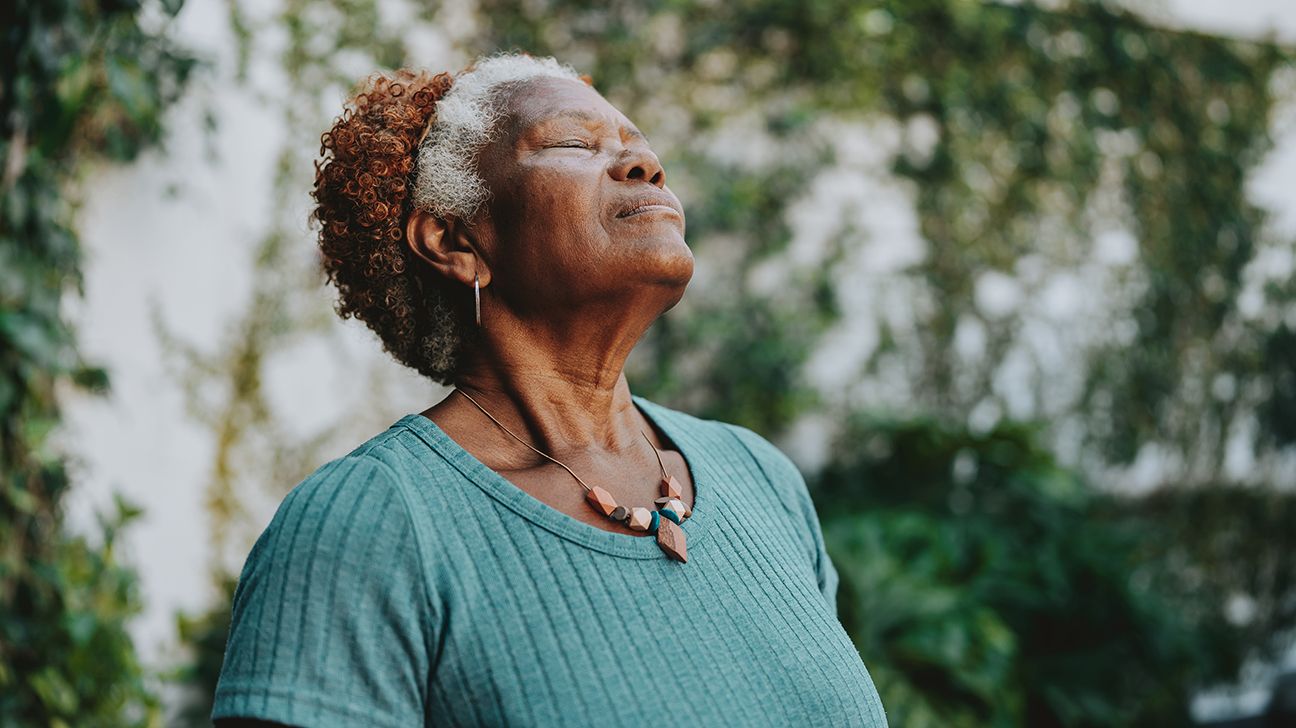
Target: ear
[(447, 245)]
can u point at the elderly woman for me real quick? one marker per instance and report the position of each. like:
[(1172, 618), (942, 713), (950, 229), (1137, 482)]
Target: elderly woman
[(541, 547)]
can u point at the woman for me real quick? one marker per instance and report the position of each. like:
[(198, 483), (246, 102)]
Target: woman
[(517, 554)]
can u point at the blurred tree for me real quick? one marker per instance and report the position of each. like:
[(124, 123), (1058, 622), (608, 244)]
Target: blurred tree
[(79, 82), (205, 634), (990, 586), (1084, 165)]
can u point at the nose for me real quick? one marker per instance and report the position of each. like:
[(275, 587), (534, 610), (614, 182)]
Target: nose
[(638, 162)]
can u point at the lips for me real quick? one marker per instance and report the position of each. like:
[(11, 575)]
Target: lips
[(648, 204)]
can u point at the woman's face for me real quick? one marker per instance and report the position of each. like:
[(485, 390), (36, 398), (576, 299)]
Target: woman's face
[(579, 211)]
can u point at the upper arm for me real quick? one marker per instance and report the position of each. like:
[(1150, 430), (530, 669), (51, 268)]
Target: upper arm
[(331, 618)]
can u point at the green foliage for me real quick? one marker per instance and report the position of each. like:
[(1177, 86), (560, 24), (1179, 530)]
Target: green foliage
[(1228, 550), (79, 82), (1033, 110), (985, 586), (70, 660), (205, 635), (1049, 128)]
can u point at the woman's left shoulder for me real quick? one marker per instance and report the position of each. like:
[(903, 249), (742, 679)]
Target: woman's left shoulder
[(778, 469), (764, 452), (740, 446)]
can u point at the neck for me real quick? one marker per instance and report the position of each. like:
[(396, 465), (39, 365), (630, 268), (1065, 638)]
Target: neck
[(562, 394)]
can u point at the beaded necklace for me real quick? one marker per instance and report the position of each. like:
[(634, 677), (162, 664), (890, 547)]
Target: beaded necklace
[(664, 521)]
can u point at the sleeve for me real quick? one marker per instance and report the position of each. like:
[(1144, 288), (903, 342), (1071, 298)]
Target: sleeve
[(826, 570), (331, 621), (780, 470)]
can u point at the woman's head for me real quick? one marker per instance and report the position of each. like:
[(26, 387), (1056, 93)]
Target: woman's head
[(515, 171)]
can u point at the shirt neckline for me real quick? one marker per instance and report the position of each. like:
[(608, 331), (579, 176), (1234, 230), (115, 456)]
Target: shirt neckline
[(551, 519)]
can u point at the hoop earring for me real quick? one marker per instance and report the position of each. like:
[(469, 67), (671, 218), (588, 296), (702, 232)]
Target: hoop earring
[(477, 297)]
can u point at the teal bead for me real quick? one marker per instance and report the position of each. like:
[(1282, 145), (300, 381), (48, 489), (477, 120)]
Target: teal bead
[(670, 514), (656, 521)]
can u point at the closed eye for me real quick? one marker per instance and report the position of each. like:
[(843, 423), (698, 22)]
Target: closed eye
[(573, 144)]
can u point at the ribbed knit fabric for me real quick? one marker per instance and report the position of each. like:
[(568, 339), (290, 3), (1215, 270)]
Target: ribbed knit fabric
[(407, 584)]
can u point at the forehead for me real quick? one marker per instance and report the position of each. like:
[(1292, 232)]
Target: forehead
[(541, 101)]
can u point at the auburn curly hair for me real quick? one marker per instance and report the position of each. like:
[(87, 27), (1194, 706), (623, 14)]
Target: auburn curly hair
[(363, 194)]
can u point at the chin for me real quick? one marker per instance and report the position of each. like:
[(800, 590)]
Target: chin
[(673, 262)]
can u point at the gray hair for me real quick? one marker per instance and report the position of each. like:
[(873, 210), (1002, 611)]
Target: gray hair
[(446, 181)]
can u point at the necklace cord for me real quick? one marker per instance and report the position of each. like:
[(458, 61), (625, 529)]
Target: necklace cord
[(555, 460)]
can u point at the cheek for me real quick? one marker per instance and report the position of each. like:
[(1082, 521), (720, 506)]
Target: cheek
[(561, 192), (548, 222), (560, 211)]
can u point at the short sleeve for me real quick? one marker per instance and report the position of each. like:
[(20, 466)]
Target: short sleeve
[(331, 621), (827, 571), (781, 470)]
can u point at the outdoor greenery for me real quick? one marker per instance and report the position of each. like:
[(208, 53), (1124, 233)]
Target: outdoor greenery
[(993, 588), (80, 82), (1072, 280), (1029, 137)]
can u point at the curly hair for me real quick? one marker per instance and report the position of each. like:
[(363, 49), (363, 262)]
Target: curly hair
[(387, 153)]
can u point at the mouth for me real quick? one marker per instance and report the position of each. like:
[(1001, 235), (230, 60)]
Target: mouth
[(646, 206)]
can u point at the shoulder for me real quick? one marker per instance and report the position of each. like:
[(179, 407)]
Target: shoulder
[(777, 468), (746, 454), (348, 508), (349, 486), (363, 483), (368, 485), (744, 447), (351, 507), (691, 425), (333, 614), (777, 464)]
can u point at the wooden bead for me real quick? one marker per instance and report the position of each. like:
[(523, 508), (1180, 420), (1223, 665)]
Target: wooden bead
[(601, 500), (675, 504), (619, 513), (671, 487), (671, 539), (640, 519), (678, 506)]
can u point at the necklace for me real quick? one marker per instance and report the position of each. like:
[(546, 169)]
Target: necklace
[(664, 521)]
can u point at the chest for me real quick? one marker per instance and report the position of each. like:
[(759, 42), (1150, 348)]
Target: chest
[(541, 631)]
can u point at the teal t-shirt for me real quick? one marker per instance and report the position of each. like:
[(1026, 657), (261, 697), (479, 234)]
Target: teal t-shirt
[(407, 584)]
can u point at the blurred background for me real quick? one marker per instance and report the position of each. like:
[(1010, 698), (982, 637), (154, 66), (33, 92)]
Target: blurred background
[(1013, 283)]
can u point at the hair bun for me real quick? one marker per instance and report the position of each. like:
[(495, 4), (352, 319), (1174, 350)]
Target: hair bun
[(363, 194)]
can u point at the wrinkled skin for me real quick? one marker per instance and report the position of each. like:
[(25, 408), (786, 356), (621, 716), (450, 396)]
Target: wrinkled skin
[(569, 285)]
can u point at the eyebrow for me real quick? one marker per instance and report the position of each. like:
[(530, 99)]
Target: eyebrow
[(584, 115)]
